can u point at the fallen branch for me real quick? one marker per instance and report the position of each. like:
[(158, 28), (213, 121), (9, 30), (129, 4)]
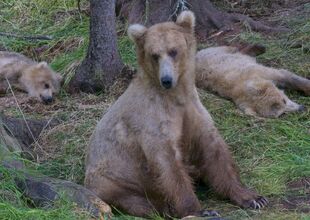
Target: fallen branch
[(39, 37), (42, 190)]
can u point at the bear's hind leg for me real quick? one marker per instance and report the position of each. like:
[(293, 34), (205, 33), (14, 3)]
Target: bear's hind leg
[(119, 195), (135, 205), (286, 79), (293, 81)]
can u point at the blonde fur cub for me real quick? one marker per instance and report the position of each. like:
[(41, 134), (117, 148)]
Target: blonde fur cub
[(37, 79), (251, 86)]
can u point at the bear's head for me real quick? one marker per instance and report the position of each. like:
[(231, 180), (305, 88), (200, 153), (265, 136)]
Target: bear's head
[(166, 51), (266, 100), (41, 82)]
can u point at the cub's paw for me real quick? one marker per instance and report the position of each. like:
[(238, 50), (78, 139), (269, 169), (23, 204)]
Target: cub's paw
[(256, 203)]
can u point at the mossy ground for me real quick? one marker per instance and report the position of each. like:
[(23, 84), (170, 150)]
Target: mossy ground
[(270, 153)]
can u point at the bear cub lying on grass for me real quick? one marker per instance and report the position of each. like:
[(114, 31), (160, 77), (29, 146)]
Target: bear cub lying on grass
[(250, 85), (37, 79), (157, 137)]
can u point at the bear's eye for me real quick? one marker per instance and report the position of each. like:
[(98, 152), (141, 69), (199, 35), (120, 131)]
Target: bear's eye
[(275, 106), (155, 57), (284, 101), (46, 86), (172, 53)]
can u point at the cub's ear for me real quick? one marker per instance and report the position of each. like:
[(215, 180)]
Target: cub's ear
[(59, 78), (186, 20), (42, 64), (58, 81), (257, 88), (136, 33)]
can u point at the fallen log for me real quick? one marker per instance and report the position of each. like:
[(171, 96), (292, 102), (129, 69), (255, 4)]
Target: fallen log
[(25, 131), (42, 190)]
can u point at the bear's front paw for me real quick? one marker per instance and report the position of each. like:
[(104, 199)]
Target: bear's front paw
[(207, 213), (256, 203)]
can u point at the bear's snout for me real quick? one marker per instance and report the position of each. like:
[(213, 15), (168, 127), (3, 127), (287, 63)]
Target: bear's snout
[(166, 73), (166, 82), (47, 99), (302, 108)]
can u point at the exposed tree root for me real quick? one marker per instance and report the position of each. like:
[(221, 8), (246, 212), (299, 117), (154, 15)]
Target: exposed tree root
[(208, 18), (42, 190)]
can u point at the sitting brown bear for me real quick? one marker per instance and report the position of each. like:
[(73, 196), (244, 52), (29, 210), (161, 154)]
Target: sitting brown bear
[(157, 138)]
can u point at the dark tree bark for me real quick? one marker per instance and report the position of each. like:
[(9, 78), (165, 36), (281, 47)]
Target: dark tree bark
[(25, 132), (145, 12), (102, 64), (208, 18)]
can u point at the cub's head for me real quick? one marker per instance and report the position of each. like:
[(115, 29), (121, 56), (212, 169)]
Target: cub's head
[(41, 82), (266, 100), (166, 51)]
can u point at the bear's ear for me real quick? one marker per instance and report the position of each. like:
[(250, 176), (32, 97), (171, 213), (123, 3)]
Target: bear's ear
[(59, 78), (57, 82), (186, 20), (257, 88), (136, 33), (42, 64)]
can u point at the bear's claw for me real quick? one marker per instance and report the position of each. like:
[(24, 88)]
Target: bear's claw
[(206, 213), (258, 203)]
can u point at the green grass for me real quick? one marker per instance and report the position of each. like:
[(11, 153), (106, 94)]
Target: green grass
[(13, 204), (270, 153)]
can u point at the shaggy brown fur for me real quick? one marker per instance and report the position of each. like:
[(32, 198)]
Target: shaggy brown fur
[(250, 85), (37, 79), (158, 138)]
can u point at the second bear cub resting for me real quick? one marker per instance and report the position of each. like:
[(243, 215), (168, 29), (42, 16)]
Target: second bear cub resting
[(250, 85), (157, 137), (37, 79)]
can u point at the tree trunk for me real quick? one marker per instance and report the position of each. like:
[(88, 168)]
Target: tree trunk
[(208, 18), (145, 12), (102, 64)]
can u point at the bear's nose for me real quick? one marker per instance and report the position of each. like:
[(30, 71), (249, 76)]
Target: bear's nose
[(166, 82), (47, 99), (302, 108)]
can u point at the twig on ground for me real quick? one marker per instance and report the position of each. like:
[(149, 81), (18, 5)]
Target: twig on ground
[(39, 37)]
